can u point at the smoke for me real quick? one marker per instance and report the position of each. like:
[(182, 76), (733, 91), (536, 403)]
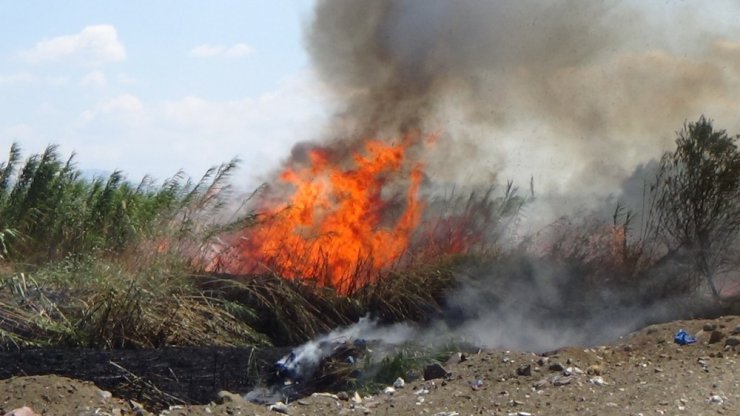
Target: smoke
[(576, 94), (580, 96), (303, 361)]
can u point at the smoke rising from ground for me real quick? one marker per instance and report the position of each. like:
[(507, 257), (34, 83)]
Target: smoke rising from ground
[(575, 93), (581, 96)]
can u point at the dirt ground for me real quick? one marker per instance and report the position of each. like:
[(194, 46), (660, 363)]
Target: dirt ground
[(644, 373)]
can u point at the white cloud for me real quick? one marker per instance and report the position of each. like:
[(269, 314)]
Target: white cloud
[(126, 103), (18, 78), (125, 107), (238, 50), (95, 79), (94, 45), (126, 79), (16, 132), (212, 51), (28, 78)]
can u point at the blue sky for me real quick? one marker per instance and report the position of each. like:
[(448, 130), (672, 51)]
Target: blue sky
[(152, 87)]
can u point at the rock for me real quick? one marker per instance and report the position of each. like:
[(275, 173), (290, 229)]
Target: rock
[(715, 399), (708, 327), (716, 336), (525, 370), (434, 371), (343, 396), (229, 397), (561, 380), (329, 395), (356, 399), (595, 370), (279, 407), (389, 390), (599, 381), (732, 341), (23, 411), (104, 394), (399, 383), (138, 408), (556, 366), (447, 414), (540, 384), (736, 331)]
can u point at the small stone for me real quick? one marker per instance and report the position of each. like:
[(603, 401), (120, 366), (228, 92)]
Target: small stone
[(356, 399), (716, 337), (389, 390), (736, 331), (542, 361), (137, 407), (598, 380), (595, 370), (434, 371), (23, 411), (477, 384), (561, 380), (229, 397), (399, 383), (279, 407), (343, 396), (715, 399), (708, 327), (525, 370), (556, 366), (732, 341), (540, 384), (104, 394)]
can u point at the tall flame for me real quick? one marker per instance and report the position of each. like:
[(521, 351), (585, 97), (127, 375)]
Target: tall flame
[(338, 226)]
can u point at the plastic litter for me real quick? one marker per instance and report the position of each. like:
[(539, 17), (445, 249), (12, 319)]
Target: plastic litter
[(683, 338)]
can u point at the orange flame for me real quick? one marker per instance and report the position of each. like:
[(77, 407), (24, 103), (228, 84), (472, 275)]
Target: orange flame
[(336, 229)]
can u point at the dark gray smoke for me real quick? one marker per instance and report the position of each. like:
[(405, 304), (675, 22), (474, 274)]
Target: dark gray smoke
[(581, 95), (576, 93)]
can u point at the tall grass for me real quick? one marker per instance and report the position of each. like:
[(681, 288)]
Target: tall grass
[(107, 263), (49, 212)]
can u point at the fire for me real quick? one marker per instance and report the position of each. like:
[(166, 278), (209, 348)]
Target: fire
[(345, 221)]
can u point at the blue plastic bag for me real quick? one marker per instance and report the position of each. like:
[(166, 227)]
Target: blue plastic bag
[(683, 338)]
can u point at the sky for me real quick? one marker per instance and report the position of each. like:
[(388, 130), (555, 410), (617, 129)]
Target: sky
[(152, 87), (155, 87)]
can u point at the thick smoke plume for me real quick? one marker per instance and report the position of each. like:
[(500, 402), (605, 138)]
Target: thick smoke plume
[(579, 95), (575, 93)]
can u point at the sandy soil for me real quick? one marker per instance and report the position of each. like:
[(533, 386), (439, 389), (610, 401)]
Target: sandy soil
[(644, 373)]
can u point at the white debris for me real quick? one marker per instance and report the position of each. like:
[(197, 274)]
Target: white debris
[(715, 399), (389, 390), (279, 407), (598, 380), (399, 383)]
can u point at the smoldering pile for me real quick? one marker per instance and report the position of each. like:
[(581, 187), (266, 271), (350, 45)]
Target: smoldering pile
[(332, 361)]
